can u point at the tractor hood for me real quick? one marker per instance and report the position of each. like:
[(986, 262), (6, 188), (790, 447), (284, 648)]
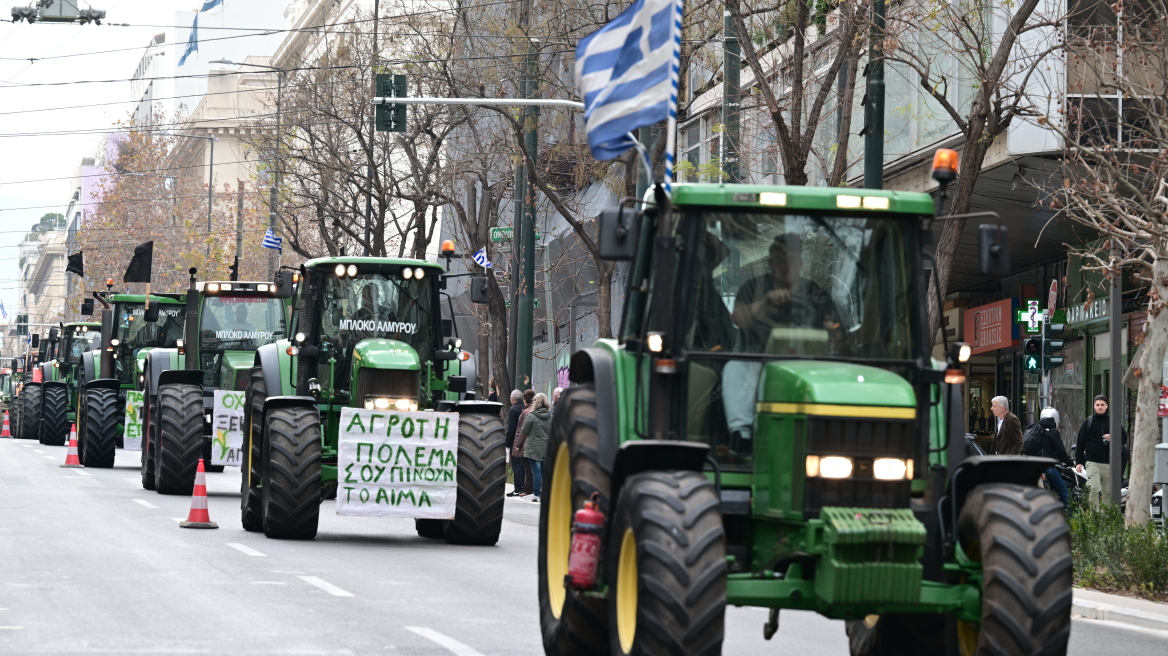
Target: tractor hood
[(233, 369), (382, 353), (833, 383)]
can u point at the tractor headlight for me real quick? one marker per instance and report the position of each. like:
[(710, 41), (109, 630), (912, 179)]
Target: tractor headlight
[(340, 271), (407, 273), (828, 466), (261, 288), (300, 337), (225, 286), (115, 342), (178, 343), (352, 270), (383, 403), (419, 273), (891, 469), (141, 378), (212, 287)]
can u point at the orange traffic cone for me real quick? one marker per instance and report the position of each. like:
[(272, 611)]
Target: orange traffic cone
[(71, 459), (5, 432), (199, 517)]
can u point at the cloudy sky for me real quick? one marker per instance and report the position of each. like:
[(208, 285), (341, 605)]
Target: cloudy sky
[(65, 91)]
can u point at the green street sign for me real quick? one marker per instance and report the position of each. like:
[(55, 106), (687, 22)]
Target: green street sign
[(536, 304), (505, 234)]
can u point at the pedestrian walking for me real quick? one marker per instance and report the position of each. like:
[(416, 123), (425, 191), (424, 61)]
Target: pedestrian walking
[(517, 449), (556, 397), (517, 468), (492, 391), (1093, 451), (1008, 434), (535, 434), (1044, 441)]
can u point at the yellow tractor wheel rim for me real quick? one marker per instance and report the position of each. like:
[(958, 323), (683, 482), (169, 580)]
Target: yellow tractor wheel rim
[(967, 634), (558, 502), (626, 592)]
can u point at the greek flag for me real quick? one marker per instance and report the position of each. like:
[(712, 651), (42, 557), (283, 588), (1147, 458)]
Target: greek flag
[(193, 39), (2, 310), (272, 241), (480, 257), (627, 74)]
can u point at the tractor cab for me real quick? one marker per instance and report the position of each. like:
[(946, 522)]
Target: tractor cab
[(235, 319), (135, 334), (79, 338)]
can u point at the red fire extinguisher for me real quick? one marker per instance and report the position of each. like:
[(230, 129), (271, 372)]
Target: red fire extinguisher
[(584, 556)]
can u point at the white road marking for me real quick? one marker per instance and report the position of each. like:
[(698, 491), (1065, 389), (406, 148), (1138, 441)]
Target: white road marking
[(247, 550), (326, 586), (135, 480), (269, 583), (82, 473), (50, 457), (10, 628), (27, 446), (37, 451), (179, 519), (453, 645), (145, 503)]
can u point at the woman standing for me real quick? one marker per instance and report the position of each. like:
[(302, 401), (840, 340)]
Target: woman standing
[(520, 438), (535, 433)]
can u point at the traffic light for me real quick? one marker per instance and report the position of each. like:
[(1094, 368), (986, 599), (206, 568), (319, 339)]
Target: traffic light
[(234, 268), (1052, 345), (1032, 353), (22, 324), (391, 118)]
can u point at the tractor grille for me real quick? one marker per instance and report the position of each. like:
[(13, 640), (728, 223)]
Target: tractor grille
[(392, 383), (862, 439)]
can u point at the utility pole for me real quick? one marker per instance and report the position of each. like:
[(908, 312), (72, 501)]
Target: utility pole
[(874, 107), (1116, 396), (372, 140), (239, 226), (526, 298), (731, 101)]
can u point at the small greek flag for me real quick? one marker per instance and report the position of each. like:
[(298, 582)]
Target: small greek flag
[(2, 310), (272, 241), (627, 74), (480, 257)]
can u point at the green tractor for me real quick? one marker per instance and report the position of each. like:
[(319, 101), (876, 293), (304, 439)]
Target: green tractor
[(366, 335), (770, 430), (7, 377), (59, 376), (224, 323), (129, 330), (40, 393)]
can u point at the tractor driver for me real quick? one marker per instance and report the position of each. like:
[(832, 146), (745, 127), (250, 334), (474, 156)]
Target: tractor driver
[(239, 322), (780, 297)]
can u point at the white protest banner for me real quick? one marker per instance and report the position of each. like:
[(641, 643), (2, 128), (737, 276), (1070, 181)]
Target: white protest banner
[(227, 429), (397, 464), (132, 433)]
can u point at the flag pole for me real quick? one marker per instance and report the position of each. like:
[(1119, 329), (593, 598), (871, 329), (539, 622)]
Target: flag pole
[(671, 123)]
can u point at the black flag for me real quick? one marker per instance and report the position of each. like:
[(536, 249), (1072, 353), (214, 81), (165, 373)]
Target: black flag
[(76, 264), (141, 263)]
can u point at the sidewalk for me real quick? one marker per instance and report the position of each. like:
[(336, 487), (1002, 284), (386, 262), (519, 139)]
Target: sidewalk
[(1126, 610)]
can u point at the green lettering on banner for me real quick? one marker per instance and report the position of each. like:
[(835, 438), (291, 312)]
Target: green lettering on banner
[(366, 474), (398, 475), (373, 421), (447, 476), (442, 425), (386, 459), (419, 455), (402, 452), (422, 427), (380, 471), (357, 421), (349, 493), (402, 495), (381, 495), (365, 444), (363, 495), (407, 422), (390, 423), (424, 498), (435, 452), (431, 474), (450, 461), (349, 474)]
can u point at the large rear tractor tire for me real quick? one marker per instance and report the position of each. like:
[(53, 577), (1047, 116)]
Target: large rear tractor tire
[(55, 408), (291, 474), (149, 438), (482, 481), (249, 483), (16, 405), (179, 429), (572, 623), (1020, 536), (666, 566), (30, 412), (98, 431)]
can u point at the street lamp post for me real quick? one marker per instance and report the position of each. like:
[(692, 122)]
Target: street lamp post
[(210, 178), (273, 216)]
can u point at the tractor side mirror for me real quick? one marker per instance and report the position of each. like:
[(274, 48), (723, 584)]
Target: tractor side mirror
[(36, 340), (619, 230), (447, 328), (478, 290), (283, 284), (87, 307), (52, 334), (151, 313), (456, 384), (994, 248)]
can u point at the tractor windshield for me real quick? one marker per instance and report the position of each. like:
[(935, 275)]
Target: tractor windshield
[(136, 333), (374, 305), (80, 340), (804, 285), (240, 322)]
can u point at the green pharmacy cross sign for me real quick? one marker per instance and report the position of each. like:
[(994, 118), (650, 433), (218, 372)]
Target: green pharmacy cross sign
[(1031, 317)]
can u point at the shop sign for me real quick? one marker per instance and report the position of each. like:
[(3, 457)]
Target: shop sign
[(1082, 314), (991, 327)]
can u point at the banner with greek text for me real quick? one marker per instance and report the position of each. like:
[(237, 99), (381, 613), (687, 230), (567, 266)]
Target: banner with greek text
[(227, 429), (397, 464), (132, 432)]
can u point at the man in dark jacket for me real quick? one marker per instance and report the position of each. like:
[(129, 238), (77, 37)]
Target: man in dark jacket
[(1093, 451), (517, 468), (1008, 433), (1050, 445)]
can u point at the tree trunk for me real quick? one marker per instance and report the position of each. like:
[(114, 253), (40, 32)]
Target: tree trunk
[(1146, 432), (497, 315), (604, 271)]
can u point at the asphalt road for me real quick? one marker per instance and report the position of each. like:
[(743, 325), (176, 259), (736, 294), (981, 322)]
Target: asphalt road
[(92, 563)]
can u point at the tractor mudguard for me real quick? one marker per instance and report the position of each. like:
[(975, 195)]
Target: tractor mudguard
[(105, 383), (88, 370), (979, 470), (593, 365), (636, 456), (472, 407), (158, 361), (273, 402), (180, 377), (267, 358)]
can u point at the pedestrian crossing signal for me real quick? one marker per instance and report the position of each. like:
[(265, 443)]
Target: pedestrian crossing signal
[(1031, 363)]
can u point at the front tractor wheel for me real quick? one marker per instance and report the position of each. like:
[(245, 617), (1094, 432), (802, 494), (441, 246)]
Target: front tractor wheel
[(179, 428), (249, 482), (482, 480), (573, 623), (1020, 536), (55, 408), (666, 566), (99, 428), (30, 412), (291, 473)]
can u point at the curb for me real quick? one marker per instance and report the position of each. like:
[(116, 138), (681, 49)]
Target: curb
[(1099, 611)]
